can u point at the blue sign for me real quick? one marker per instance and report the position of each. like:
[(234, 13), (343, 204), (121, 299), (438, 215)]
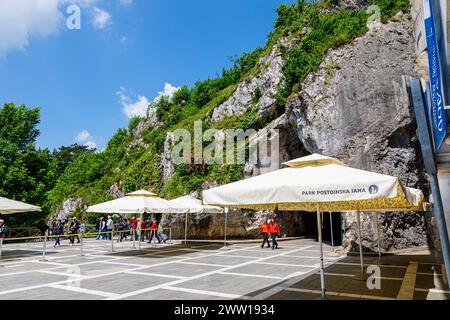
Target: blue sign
[(437, 102)]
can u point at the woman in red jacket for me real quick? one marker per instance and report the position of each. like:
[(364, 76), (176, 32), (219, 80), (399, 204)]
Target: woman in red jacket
[(275, 232)]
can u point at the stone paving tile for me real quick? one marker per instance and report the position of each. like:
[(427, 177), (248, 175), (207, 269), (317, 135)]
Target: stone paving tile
[(239, 285), (425, 281), (269, 270), (221, 260), (48, 293), (178, 269), (289, 295), (122, 283), (28, 280), (93, 269), (297, 260), (163, 294)]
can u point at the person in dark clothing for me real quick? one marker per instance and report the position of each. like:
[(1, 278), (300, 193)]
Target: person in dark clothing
[(122, 228), (73, 229), (58, 230), (3, 229), (154, 231), (43, 227)]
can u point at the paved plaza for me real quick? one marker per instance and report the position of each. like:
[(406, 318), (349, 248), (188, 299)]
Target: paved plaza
[(206, 271)]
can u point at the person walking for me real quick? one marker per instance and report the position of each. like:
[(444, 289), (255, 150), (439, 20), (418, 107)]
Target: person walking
[(98, 227), (133, 223), (58, 230), (154, 231), (4, 230), (73, 230), (275, 232), (122, 228), (103, 229), (264, 227), (109, 227), (143, 223)]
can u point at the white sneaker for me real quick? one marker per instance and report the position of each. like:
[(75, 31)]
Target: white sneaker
[(71, 244)]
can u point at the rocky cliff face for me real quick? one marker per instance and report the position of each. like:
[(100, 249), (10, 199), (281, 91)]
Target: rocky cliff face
[(355, 108)]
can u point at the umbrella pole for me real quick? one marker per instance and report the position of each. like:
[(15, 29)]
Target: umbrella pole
[(226, 221), (378, 235), (185, 228), (139, 234), (319, 231), (331, 231), (358, 216)]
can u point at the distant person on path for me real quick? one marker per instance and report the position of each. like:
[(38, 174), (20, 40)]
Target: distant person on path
[(103, 228), (265, 233), (122, 228), (109, 227), (275, 232), (98, 228), (142, 224), (154, 231), (148, 224), (43, 227), (133, 223), (73, 229), (3, 229), (58, 230)]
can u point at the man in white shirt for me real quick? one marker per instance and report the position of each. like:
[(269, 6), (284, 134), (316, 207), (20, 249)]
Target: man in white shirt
[(109, 227)]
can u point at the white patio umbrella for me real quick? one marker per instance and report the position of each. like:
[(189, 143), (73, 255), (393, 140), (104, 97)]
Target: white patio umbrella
[(8, 206), (194, 205), (139, 202), (316, 183)]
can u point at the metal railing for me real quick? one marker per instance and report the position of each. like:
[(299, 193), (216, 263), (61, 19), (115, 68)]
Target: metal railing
[(139, 233)]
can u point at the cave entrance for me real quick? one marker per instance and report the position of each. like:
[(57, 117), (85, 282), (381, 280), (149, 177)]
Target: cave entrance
[(310, 222)]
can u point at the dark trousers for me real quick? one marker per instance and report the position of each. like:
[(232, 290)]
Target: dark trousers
[(274, 241), (57, 241), (154, 233), (265, 237)]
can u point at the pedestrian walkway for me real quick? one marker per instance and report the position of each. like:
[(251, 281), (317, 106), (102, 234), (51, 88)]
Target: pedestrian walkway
[(204, 271)]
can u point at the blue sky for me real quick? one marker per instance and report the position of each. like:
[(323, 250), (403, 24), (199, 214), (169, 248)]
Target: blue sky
[(123, 55)]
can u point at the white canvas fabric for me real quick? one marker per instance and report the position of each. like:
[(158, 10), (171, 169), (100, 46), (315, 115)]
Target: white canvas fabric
[(8, 206), (194, 205), (137, 202), (335, 187)]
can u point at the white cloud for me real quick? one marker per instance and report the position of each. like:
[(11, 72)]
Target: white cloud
[(101, 18), (168, 91), (132, 107), (85, 138), (21, 20)]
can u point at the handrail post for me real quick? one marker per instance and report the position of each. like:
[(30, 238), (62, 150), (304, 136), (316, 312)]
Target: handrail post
[(1, 247), (170, 235), (45, 247), (112, 238), (81, 244)]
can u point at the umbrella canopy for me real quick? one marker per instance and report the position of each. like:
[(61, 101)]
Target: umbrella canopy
[(318, 183), (194, 205), (8, 206), (316, 180), (140, 201)]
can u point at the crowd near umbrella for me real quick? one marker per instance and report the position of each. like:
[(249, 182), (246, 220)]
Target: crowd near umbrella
[(193, 205), (137, 202), (317, 183), (8, 206)]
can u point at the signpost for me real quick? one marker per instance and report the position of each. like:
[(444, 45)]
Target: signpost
[(437, 101)]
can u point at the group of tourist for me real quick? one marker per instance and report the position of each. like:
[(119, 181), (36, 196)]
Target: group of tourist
[(270, 229)]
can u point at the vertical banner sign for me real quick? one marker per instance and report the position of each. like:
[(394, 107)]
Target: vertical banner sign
[(437, 103)]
